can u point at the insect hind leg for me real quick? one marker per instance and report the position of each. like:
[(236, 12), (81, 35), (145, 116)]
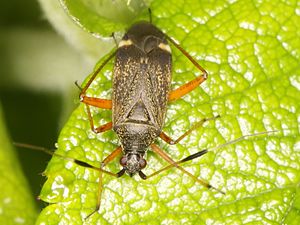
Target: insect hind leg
[(188, 87)]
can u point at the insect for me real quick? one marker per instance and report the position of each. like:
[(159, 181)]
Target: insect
[(141, 91)]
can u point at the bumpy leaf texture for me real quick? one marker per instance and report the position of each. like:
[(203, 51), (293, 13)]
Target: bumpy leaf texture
[(251, 52)]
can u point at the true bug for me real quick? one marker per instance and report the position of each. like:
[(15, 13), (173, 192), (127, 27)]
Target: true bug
[(141, 91), (139, 164)]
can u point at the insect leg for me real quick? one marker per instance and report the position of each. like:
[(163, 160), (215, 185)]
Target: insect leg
[(103, 128), (157, 150), (202, 152), (96, 102), (100, 129), (188, 87), (108, 159), (190, 157), (170, 141), (96, 72), (101, 170)]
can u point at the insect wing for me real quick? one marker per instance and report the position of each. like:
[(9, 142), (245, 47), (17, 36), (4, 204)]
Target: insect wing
[(159, 82), (141, 80)]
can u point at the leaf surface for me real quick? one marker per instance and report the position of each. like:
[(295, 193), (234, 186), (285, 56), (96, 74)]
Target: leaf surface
[(251, 52)]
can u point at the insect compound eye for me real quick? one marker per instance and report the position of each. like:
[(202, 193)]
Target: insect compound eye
[(125, 37), (143, 163), (150, 43), (123, 161)]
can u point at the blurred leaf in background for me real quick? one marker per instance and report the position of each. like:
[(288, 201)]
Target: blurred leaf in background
[(17, 205), (37, 90), (30, 112), (37, 74)]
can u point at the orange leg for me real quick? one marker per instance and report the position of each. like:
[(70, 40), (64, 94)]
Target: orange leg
[(100, 129), (170, 141), (188, 87), (103, 127), (108, 159), (96, 102), (111, 156)]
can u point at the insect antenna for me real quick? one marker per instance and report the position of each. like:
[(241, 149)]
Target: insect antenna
[(199, 154), (78, 85), (50, 152), (150, 15)]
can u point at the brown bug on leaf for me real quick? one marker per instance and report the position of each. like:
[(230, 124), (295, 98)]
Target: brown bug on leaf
[(141, 91)]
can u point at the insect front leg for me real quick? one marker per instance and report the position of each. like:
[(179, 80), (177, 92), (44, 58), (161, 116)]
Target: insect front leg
[(107, 160)]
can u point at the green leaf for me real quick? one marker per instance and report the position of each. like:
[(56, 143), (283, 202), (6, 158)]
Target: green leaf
[(251, 52), (16, 203), (103, 17)]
